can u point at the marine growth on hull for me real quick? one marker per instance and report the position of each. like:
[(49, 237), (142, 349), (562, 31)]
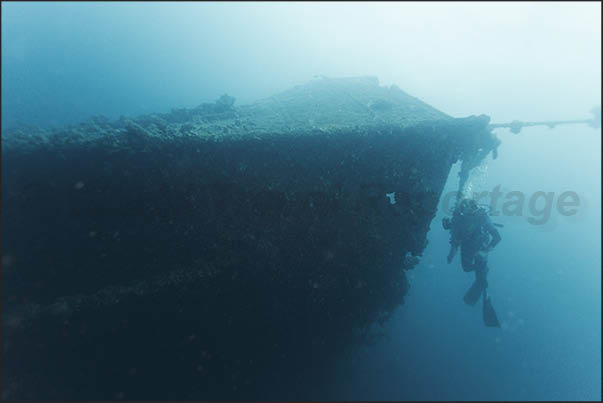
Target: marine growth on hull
[(195, 254)]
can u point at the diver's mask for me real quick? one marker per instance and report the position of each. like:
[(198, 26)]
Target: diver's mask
[(468, 207)]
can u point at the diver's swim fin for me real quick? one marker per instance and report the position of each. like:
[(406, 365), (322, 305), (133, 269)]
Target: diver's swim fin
[(473, 293), (490, 318)]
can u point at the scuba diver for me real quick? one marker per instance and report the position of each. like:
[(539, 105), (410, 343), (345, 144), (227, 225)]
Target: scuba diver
[(471, 230)]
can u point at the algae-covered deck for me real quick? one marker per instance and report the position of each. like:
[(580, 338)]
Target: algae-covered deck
[(237, 238), (339, 103)]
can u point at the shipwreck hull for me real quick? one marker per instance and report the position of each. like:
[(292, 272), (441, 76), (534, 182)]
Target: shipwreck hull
[(154, 267)]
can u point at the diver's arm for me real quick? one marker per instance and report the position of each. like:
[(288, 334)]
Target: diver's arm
[(494, 233), (448, 225), (454, 247), (495, 238), (452, 253)]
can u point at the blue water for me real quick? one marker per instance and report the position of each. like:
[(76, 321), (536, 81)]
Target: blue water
[(62, 63), (545, 285)]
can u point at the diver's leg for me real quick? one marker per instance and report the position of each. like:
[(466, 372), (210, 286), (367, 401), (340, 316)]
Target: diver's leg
[(467, 257), (488, 312), (481, 269), (475, 291), (479, 284)]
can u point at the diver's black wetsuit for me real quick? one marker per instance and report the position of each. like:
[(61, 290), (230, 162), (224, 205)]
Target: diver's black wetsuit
[(471, 230)]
